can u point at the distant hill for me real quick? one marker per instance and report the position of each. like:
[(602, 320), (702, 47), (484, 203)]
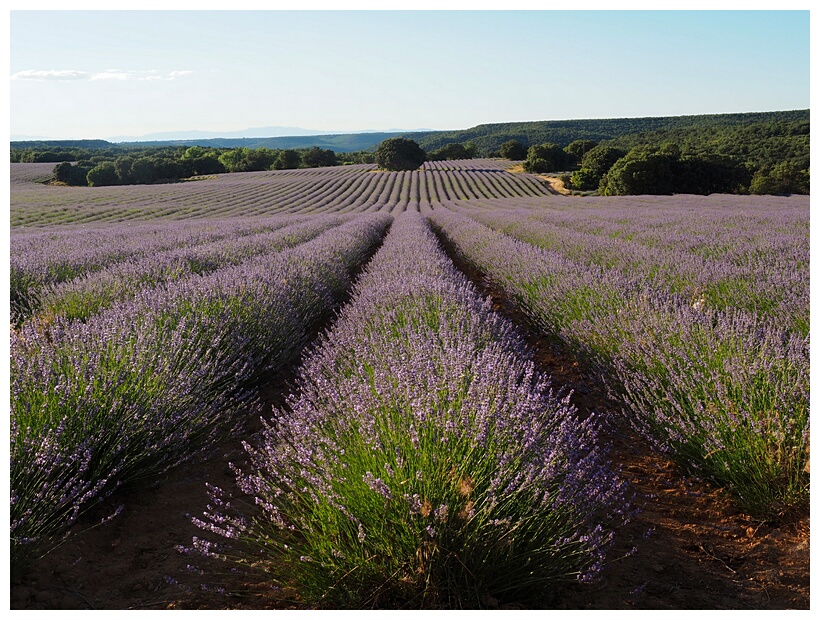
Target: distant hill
[(253, 132), (490, 137), (340, 143), (784, 135), (60, 144), (760, 144)]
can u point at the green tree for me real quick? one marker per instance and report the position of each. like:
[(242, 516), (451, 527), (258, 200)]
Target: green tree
[(599, 159), (122, 166), (208, 164), (641, 171), (513, 149), (103, 174), (584, 180), (243, 159), (143, 171), (399, 154), (783, 178), (194, 152), (318, 158), (201, 160), (546, 157), (454, 150), (287, 159), (62, 172), (710, 174), (233, 160), (578, 148), (257, 160), (71, 175)]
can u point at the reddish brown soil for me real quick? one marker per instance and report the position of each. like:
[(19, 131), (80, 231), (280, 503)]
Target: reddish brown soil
[(694, 550)]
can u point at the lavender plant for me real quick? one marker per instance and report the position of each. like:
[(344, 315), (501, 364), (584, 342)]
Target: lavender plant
[(727, 395), (148, 383), (39, 259), (424, 461), (723, 392), (81, 297), (725, 256)]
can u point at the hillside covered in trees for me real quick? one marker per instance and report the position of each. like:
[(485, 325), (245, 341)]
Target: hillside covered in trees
[(490, 137)]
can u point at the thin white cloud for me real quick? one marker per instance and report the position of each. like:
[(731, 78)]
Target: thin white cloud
[(53, 74), (110, 75), (155, 76)]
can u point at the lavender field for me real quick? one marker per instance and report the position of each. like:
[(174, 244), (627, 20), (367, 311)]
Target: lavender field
[(423, 457)]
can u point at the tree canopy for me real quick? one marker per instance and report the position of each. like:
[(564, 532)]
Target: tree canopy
[(513, 149), (451, 151), (400, 154), (546, 158), (664, 170)]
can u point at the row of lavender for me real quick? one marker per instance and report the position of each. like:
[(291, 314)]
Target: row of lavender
[(88, 293), (147, 383), (352, 189), (424, 461), (721, 251), (723, 391), (43, 258)]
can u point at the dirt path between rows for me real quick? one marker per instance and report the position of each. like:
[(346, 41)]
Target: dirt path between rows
[(694, 550)]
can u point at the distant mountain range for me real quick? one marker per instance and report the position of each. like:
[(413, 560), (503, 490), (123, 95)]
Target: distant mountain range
[(275, 131), (253, 132)]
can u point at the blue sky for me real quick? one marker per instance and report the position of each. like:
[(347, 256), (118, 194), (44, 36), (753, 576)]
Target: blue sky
[(102, 74)]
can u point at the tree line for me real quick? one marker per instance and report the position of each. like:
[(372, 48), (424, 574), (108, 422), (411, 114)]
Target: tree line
[(138, 166), (112, 165)]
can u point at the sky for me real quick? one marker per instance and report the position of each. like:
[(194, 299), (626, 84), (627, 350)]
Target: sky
[(87, 74)]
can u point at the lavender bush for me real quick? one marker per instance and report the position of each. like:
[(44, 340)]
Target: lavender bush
[(43, 258), (727, 395), (725, 252), (724, 392), (147, 383), (84, 296), (424, 461)]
